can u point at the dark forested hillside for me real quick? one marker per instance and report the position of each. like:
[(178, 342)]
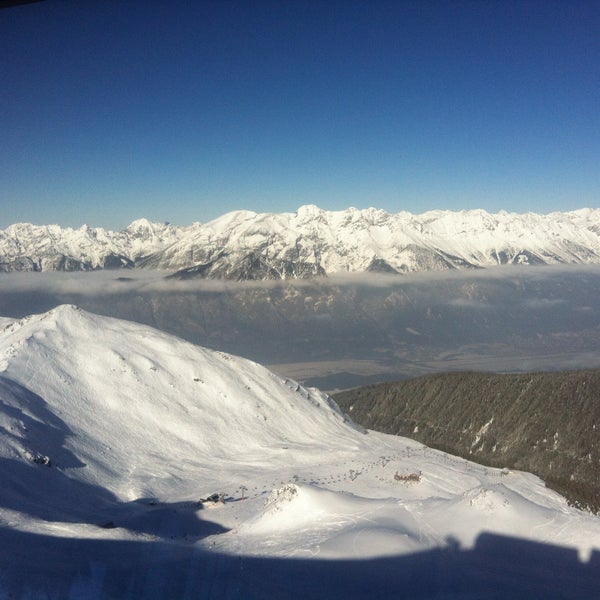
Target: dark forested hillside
[(545, 423)]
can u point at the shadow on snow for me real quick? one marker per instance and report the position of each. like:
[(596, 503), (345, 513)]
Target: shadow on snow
[(48, 493), (497, 567)]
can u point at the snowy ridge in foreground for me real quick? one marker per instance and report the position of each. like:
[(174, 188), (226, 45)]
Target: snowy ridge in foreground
[(137, 400), (112, 432)]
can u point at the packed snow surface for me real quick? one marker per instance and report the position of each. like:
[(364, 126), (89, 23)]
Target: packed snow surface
[(111, 431)]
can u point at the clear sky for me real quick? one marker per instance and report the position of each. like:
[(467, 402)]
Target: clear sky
[(182, 110)]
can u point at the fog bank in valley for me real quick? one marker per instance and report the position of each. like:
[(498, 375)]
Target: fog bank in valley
[(349, 330)]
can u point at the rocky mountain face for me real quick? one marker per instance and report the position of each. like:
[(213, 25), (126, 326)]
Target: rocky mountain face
[(546, 423), (27, 247), (244, 245)]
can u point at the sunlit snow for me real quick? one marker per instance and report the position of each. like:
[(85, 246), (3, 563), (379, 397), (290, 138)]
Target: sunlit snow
[(112, 432)]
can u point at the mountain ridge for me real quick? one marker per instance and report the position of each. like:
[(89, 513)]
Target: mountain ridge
[(81, 374), (310, 242)]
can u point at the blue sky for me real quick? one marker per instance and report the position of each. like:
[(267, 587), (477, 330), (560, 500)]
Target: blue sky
[(182, 110)]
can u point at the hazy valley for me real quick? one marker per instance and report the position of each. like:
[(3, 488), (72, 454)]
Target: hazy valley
[(343, 332)]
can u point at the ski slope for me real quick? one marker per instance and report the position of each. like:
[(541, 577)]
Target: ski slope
[(111, 434)]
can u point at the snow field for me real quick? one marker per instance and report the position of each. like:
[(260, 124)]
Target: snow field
[(139, 426)]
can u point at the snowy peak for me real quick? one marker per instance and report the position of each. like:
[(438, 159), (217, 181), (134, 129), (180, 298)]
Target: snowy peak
[(353, 240), (27, 247), (312, 241), (145, 230), (116, 384)]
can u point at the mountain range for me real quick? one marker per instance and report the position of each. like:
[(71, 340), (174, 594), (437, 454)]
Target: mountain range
[(245, 245)]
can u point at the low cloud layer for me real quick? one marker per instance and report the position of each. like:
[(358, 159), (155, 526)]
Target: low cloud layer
[(97, 283), (506, 318)]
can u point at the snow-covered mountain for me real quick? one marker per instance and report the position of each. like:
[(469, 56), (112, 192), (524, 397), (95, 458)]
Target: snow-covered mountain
[(27, 247), (113, 436), (122, 387), (245, 245)]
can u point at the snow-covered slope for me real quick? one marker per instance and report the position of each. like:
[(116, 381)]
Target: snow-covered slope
[(246, 245), (110, 433), (132, 398)]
